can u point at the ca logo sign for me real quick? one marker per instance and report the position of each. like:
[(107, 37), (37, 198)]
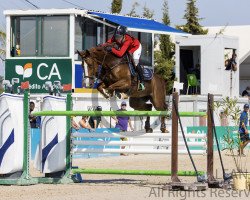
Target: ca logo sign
[(43, 71), (25, 71)]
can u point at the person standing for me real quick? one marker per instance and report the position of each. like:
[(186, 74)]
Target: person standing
[(243, 131), (32, 118), (122, 123)]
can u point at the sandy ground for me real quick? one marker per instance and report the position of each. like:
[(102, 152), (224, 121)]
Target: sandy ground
[(127, 187)]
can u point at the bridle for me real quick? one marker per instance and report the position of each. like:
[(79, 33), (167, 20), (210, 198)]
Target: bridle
[(101, 65)]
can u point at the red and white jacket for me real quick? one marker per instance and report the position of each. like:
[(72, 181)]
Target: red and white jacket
[(128, 44)]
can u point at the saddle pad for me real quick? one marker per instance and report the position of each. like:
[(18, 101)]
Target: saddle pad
[(148, 74)]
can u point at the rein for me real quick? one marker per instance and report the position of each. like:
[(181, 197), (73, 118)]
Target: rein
[(108, 69)]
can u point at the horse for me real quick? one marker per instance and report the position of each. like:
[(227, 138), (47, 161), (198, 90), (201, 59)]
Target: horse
[(114, 74)]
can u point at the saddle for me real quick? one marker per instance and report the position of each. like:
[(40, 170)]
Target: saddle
[(147, 73)]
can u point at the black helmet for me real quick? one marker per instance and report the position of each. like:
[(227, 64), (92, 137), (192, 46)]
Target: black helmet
[(120, 30)]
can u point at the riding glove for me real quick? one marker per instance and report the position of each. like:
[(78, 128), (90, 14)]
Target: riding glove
[(108, 48)]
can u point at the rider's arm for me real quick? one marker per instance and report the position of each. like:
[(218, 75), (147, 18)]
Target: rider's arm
[(110, 41), (123, 49)]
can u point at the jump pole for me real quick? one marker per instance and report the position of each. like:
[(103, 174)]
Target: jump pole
[(116, 113), (175, 181), (212, 182), (174, 165), (174, 147), (133, 172)]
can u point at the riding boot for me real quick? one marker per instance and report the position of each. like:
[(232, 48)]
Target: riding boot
[(141, 77)]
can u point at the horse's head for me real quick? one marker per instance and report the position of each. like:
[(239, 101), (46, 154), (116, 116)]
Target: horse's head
[(91, 67)]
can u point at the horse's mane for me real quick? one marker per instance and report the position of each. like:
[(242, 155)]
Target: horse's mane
[(96, 50)]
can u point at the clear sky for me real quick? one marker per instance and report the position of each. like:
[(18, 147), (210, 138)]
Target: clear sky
[(214, 12)]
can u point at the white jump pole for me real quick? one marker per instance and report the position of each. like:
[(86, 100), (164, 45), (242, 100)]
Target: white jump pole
[(136, 143), (133, 135), (135, 151)]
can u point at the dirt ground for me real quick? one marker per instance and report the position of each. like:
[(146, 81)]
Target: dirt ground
[(119, 187)]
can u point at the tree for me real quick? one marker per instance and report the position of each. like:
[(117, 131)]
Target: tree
[(132, 12), (164, 62), (2, 44), (164, 68), (147, 13), (116, 6), (192, 16)]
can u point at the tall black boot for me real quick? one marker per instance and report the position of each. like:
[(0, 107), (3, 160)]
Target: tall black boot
[(141, 77)]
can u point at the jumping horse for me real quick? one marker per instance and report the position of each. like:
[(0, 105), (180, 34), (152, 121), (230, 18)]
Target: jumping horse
[(115, 76)]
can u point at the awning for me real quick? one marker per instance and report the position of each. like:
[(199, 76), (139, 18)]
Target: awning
[(139, 24)]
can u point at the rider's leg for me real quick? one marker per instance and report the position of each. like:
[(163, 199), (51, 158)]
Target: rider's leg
[(136, 57), (141, 77)]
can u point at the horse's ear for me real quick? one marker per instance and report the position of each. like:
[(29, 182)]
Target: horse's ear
[(83, 54)]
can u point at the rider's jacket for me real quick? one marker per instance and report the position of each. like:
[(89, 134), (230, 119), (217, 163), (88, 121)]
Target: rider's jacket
[(128, 43)]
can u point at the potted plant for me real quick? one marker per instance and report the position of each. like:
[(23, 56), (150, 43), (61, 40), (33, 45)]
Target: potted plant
[(230, 110)]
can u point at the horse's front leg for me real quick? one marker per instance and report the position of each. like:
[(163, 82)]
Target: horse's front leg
[(123, 84), (101, 88)]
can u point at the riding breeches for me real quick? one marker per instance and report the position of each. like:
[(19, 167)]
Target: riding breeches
[(137, 55)]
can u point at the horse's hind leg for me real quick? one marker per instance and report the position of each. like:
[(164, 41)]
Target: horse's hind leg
[(140, 104), (158, 99)]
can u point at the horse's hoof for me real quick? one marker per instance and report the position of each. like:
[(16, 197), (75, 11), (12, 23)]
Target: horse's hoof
[(164, 130), (150, 130)]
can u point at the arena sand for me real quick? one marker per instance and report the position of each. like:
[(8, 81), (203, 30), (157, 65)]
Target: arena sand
[(117, 187)]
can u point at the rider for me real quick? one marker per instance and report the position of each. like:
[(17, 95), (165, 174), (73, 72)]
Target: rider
[(127, 43)]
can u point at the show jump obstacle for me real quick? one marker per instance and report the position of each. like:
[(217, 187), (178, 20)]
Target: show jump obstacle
[(68, 175)]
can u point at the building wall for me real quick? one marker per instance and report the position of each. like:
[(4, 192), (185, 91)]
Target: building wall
[(214, 78)]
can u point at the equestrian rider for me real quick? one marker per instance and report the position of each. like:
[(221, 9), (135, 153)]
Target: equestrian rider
[(127, 43)]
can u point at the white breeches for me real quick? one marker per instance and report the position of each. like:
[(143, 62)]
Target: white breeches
[(137, 55)]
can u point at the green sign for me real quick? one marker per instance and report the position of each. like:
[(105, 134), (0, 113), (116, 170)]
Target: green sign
[(221, 131), (38, 71)]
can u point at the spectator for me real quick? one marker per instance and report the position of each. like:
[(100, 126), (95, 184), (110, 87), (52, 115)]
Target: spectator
[(95, 121), (231, 63), (243, 131), (246, 92), (74, 125), (84, 123), (32, 119), (122, 123)]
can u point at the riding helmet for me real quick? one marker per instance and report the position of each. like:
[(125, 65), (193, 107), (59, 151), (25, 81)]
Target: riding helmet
[(121, 30)]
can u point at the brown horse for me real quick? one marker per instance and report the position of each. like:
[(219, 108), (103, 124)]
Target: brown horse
[(115, 76)]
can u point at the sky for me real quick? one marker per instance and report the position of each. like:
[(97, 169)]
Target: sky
[(213, 12)]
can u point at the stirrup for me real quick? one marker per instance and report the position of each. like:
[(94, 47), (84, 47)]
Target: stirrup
[(141, 87)]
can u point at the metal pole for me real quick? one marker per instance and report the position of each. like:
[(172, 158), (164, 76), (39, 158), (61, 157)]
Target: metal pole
[(174, 152), (116, 113), (68, 134), (134, 172), (26, 136)]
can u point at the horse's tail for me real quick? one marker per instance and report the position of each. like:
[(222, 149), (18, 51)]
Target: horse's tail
[(159, 93)]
